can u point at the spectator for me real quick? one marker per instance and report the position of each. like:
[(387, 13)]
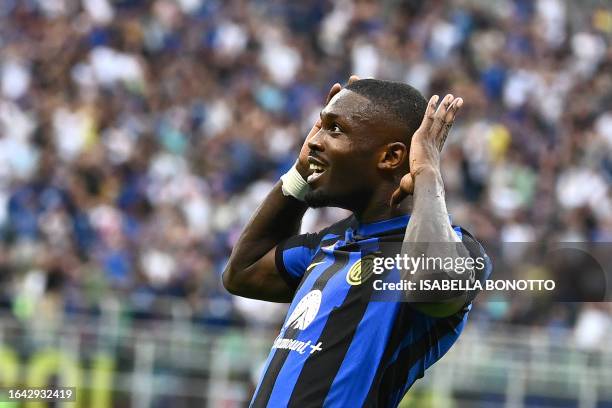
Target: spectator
[(137, 137)]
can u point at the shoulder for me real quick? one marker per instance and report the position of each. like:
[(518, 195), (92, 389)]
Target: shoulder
[(471, 243), (483, 265), (293, 255)]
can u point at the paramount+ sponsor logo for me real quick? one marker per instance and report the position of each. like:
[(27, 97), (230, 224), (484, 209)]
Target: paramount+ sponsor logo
[(305, 311), (301, 317)]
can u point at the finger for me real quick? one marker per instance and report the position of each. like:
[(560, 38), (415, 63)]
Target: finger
[(397, 197), (315, 128), (405, 189), (443, 136), (429, 113), (407, 184), (446, 102), (439, 116), (353, 78), (453, 109), (333, 91), (449, 120)]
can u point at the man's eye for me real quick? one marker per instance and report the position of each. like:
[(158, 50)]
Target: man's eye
[(335, 128)]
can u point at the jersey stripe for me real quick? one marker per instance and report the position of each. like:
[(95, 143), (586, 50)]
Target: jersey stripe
[(351, 390), (295, 361), (262, 396), (402, 325), (320, 256), (432, 356), (319, 371), (397, 373)]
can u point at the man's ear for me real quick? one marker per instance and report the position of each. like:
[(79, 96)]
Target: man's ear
[(393, 156)]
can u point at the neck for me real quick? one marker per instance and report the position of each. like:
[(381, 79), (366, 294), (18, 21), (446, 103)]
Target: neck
[(378, 208)]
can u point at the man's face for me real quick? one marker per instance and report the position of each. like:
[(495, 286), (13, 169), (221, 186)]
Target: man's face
[(344, 153)]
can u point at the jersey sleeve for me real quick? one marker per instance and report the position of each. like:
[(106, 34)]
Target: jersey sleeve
[(483, 265), (294, 255)]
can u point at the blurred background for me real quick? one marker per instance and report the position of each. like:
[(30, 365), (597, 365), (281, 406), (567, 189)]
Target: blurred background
[(137, 138)]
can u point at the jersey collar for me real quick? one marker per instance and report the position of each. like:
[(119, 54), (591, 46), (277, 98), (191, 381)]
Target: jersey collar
[(384, 226)]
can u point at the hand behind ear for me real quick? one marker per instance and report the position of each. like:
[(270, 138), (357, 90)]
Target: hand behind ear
[(405, 189), (427, 142)]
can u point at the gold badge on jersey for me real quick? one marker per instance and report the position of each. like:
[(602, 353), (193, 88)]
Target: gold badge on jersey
[(360, 271)]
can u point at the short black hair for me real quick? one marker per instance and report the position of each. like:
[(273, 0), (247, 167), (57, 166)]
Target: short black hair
[(401, 101)]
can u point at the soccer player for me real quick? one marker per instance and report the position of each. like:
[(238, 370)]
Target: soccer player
[(377, 143)]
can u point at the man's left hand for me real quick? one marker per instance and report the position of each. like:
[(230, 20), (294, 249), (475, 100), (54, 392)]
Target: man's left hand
[(427, 143)]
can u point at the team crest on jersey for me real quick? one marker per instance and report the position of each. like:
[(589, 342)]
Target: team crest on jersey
[(360, 271), (305, 311)]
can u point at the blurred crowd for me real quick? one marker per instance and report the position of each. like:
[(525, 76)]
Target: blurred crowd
[(137, 137)]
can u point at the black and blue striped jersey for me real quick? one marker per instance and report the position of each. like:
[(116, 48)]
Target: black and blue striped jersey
[(338, 347)]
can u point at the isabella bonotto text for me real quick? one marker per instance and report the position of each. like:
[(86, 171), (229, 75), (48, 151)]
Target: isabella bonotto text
[(455, 284)]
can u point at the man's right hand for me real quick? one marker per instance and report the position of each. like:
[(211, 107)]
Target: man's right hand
[(302, 164)]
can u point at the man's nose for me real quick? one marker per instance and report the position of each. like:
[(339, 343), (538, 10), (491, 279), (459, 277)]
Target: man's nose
[(316, 142)]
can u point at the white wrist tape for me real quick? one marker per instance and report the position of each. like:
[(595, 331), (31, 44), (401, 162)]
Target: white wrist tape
[(294, 184)]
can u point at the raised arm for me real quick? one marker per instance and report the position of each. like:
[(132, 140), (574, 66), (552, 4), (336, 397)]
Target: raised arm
[(251, 270), (429, 230)]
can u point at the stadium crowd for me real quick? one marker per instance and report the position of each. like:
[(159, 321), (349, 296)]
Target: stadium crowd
[(137, 137)]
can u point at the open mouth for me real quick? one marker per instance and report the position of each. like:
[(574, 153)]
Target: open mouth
[(317, 167), (317, 171)]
